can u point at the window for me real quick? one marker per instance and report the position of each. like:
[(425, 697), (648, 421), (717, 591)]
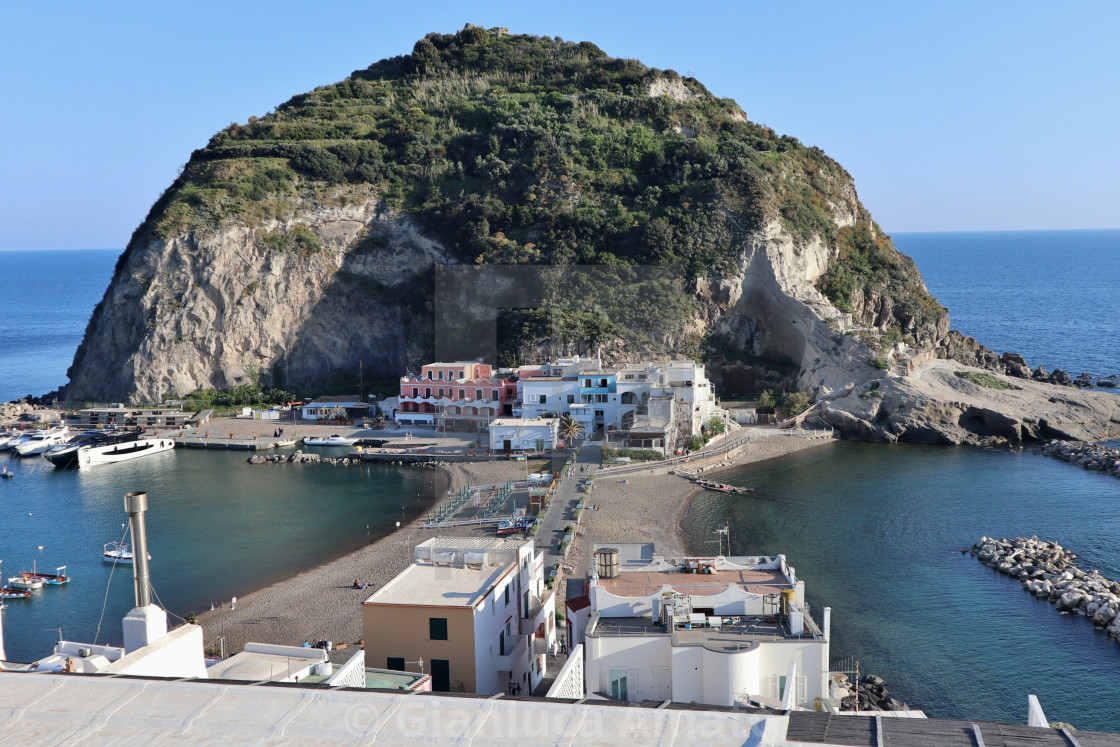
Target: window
[(602, 382), (571, 398), (543, 398), (622, 682), (478, 394), (437, 628), (494, 394), (427, 391), (415, 391), (462, 394), (507, 594), (439, 375), (395, 663), (587, 383), (429, 375), (441, 391)]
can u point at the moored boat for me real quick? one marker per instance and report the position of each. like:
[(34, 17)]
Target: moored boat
[(58, 578), (37, 443), (25, 581), (7, 592), (91, 456), (118, 552), (332, 440)]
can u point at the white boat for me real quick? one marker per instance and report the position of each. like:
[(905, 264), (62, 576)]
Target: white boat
[(118, 552), (332, 440), (91, 456), (16, 440), (6, 437), (40, 442), (25, 581)]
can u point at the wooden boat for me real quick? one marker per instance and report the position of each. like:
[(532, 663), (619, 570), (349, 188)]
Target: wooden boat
[(7, 592), (58, 578), (25, 581)]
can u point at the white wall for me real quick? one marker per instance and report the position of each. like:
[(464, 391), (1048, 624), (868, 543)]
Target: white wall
[(636, 652)]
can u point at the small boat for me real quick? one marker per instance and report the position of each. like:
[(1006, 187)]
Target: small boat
[(58, 578), (285, 442), (7, 592), (118, 552), (39, 442), (514, 526), (25, 581), (332, 440), (5, 474)]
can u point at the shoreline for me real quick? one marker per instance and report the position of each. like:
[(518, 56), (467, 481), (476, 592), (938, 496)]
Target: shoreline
[(320, 603)]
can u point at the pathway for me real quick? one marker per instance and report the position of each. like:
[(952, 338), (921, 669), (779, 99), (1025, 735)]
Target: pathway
[(560, 511)]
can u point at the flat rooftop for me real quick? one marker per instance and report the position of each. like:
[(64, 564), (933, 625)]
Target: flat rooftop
[(256, 667), (644, 583), (521, 422), (474, 543), (744, 634), (425, 584)]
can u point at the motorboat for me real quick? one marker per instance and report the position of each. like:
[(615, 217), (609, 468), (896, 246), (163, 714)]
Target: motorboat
[(7, 592), (40, 442), (15, 440), (332, 440), (66, 454), (7, 437), (118, 552), (122, 451)]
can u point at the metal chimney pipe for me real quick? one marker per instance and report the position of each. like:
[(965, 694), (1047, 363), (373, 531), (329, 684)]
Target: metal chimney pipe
[(135, 504)]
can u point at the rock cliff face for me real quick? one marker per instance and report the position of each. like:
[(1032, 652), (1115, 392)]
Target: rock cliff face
[(304, 243), (212, 310)]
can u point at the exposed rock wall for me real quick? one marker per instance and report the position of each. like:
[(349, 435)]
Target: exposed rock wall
[(209, 311)]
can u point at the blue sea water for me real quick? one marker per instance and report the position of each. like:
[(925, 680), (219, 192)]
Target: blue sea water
[(46, 299), (1050, 295)]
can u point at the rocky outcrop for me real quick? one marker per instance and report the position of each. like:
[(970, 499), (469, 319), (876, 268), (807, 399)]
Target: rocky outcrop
[(215, 309), (869, 694), (1088, 455), (935, 405), (1048, 570)]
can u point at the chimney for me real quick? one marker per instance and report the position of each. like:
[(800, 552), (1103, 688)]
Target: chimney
[(146, 622)]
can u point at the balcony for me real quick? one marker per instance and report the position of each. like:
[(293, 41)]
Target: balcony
[(539, 610), (517, 646)]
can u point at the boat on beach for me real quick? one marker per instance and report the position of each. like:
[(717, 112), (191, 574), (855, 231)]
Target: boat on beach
[(118, 552), (515, 526), (332, 440)]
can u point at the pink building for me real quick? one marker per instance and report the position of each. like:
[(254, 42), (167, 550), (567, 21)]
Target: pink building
[(463, 396)]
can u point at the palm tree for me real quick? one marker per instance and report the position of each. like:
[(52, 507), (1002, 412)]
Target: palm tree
[(571, 429)]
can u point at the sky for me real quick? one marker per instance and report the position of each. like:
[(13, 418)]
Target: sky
[(950, 115)]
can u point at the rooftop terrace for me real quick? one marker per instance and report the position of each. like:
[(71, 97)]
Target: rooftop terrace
[(644, 583)]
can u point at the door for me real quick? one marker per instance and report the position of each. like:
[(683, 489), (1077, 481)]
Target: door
[(662, 684), (507, 446), (624, 682), (441, 675)]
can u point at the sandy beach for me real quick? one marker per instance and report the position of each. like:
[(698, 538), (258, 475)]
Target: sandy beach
[(321, 603)]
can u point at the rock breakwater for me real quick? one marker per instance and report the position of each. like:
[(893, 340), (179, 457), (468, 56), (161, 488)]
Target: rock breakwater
[(870, 694), (1048, 570), (1088, 455)]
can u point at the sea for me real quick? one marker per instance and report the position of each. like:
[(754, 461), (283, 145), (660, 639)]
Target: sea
[(875, 531)]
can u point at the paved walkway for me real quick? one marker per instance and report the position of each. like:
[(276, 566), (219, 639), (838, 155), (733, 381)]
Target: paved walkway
[(564, 501)]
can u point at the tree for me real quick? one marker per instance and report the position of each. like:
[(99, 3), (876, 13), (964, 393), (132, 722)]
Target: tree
[(794, 402), (716, 425), (571, 429), (766, 401)]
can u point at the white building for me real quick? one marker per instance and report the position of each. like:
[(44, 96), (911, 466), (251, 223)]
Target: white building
[(530, 434), (475, 611), (713, 630)]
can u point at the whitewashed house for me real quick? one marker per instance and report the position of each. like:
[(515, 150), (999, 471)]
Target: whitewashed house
[(714, 630), (517, 434)]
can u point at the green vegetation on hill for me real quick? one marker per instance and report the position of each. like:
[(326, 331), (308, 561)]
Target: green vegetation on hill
[(514, 149)]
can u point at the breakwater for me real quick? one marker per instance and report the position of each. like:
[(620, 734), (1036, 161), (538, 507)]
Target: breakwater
[(1048, 570), (1088, 455)]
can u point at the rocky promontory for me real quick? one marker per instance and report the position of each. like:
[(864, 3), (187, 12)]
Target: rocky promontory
[(1048, 570)]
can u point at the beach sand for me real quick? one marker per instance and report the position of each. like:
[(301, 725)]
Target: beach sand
[(320, 603)]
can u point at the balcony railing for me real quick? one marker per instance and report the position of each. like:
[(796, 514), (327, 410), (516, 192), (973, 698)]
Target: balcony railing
[(537, 612), (516, 648)]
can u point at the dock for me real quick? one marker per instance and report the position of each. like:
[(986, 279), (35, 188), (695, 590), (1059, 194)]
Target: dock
[(240, 443)]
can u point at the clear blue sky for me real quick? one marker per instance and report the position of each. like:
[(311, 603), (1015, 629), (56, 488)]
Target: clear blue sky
[(950, 115)]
